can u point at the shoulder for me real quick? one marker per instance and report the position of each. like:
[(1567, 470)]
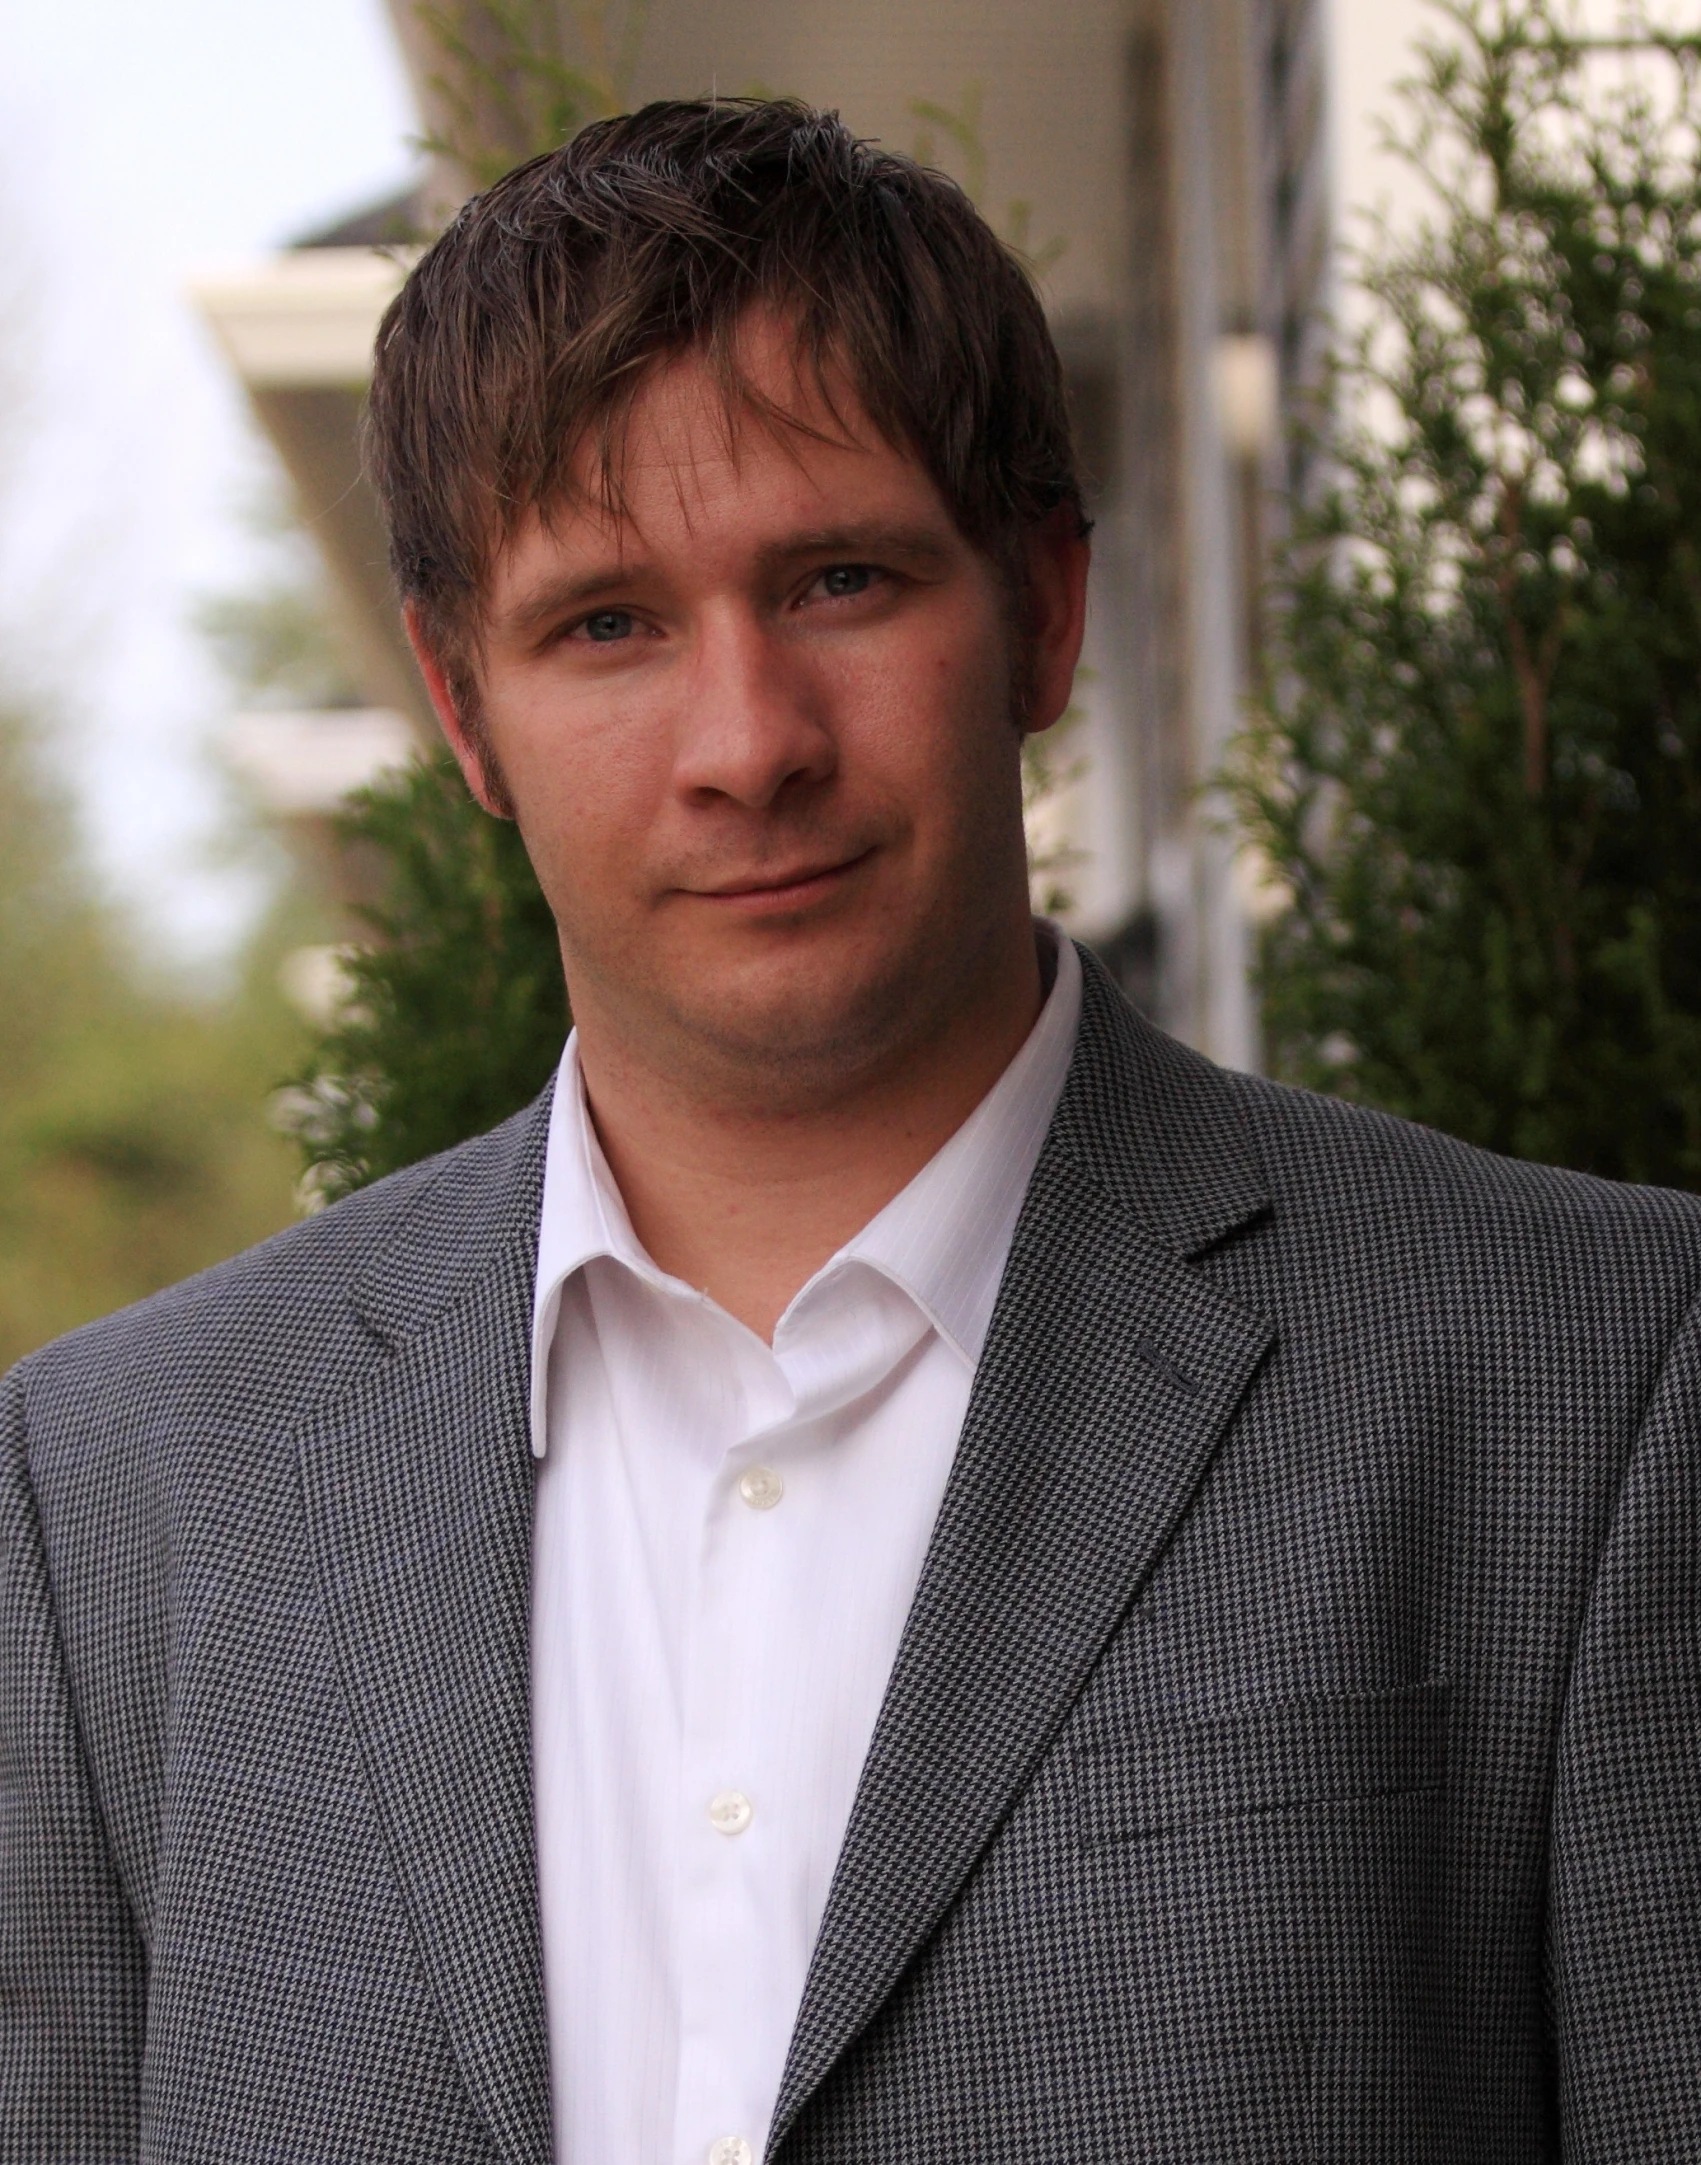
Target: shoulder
[(1411, 1214), (1364, 1227), (1341, 1192), (285, 1323), (1333, 1154)]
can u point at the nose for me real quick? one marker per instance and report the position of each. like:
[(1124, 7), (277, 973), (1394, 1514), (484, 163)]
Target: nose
[(754, 726)]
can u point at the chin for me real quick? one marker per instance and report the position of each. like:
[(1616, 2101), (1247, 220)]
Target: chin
[(802, 1027)]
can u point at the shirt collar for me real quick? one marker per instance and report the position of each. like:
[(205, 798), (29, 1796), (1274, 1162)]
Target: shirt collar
[(943, 1239), (582, 1216)]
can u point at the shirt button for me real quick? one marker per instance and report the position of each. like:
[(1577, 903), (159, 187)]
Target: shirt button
[(761, 1488), (730, 1812), (731, 2150)]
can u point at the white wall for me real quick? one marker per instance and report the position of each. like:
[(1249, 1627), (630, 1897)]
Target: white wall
[(1371, 47)]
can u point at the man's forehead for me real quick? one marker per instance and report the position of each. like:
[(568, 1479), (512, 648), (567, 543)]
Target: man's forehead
[(769, 481), (695, 426)]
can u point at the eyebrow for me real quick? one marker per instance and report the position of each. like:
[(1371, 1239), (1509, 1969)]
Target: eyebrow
[(556, 597), (911, 543), (870, 537)]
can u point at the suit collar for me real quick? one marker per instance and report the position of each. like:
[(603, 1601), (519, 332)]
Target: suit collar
[(1110, 1374), (1156, 1126), (1153, 1125), (473, 1210), (417, 1485)]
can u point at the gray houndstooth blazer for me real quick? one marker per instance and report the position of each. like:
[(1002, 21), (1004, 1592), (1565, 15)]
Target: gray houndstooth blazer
[(1294, 1753)]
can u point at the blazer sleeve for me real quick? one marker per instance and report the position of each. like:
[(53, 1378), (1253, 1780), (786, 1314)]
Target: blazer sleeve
[(1625, 1918), (72, 1973)]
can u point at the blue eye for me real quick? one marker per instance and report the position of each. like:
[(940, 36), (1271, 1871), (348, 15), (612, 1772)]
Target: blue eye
[(844, 580), (607, 626)]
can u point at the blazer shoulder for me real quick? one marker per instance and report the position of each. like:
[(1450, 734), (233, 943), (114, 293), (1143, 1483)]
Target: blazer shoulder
[(1328, 1157), (1341, 1193), (283, 1322)]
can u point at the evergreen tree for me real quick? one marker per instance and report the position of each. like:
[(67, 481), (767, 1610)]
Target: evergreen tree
[(1477, 767), (456, 1013), (453, 1010)]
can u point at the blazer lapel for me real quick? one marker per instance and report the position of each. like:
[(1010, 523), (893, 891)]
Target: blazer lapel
[(1109, 1375), (418, 1488)]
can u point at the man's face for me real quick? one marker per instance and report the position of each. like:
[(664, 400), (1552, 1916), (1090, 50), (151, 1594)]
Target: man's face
[(758, 730)]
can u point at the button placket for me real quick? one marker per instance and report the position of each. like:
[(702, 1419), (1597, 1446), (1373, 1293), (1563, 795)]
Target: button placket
[(727, 1855)]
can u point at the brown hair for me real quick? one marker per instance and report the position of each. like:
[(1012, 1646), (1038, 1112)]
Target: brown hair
[(530, 325)]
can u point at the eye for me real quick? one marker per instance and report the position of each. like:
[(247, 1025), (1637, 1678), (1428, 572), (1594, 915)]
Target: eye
[(607, 626), (841, 581)]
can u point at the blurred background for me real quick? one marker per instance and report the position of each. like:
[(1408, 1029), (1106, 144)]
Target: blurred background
[(203, 211)]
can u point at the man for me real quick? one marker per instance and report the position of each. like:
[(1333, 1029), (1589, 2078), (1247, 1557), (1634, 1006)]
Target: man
[(900, 1569)]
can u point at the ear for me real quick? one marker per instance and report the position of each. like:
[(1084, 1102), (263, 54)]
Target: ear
[(460, 740), (1058, 558)]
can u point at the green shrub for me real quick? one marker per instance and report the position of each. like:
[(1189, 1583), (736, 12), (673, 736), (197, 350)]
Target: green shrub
[(456, 1014), (1477, 766)]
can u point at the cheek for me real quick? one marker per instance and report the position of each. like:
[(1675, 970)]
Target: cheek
[(968, 763), (588, 775), (930, 714), (582, 808)]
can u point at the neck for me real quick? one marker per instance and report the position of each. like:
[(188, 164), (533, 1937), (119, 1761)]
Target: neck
[(747, 1202)]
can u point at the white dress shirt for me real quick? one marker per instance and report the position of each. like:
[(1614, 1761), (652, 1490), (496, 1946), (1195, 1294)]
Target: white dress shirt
[(727, 1540)]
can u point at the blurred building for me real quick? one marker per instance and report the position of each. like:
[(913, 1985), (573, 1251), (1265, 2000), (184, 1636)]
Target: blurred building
[(1167, 160)]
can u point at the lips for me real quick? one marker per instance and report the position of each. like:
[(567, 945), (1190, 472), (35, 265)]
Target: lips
[(777, 886)]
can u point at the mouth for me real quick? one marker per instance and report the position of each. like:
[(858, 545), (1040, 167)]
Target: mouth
[(790, 890)]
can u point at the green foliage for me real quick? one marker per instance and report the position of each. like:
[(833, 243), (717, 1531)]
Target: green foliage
[(456, 1013), (134, 1146), (960, 124), (1477, 769), (452, 1011), (519, 77)]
